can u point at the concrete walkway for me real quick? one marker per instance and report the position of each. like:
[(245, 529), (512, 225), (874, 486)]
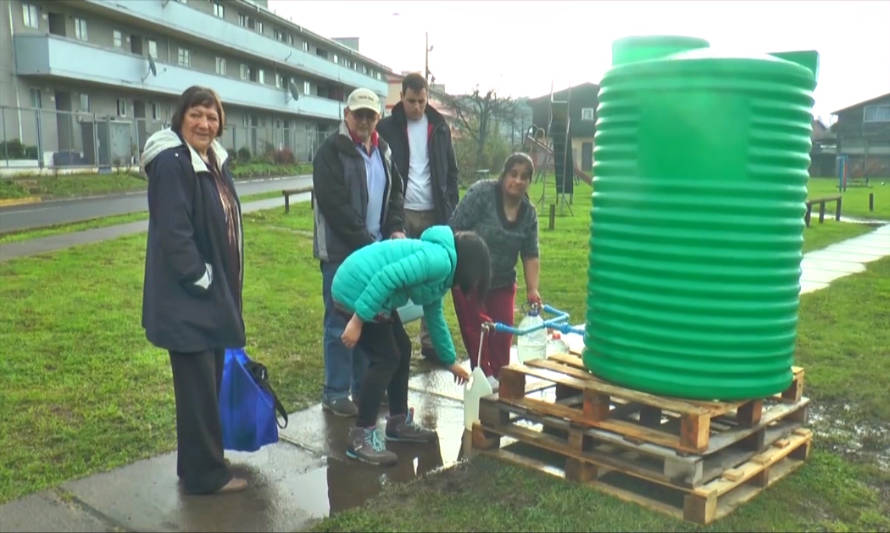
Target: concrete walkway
[(306, 476), (64, 240)]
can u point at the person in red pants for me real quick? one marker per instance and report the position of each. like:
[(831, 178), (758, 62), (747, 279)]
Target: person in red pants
[(500, 212)]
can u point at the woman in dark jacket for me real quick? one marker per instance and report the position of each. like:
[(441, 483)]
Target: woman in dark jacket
[(193, 273)]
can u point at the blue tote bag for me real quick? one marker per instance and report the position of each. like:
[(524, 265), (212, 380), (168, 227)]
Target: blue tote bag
[(247, 404)]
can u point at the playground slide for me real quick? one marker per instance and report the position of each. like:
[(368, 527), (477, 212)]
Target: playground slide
[(583, 176), (539, 147)]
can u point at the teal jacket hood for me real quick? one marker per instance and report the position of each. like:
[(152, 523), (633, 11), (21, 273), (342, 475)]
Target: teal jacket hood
[(381, 277)]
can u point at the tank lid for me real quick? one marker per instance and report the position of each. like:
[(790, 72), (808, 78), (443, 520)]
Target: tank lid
[(804, 58), (645, 48)]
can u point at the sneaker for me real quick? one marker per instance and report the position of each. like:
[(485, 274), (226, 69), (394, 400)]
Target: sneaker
[(340, 406), (493, 381), (402, 428), (365, 445)]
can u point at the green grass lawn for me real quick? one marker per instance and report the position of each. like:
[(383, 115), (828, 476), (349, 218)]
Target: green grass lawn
[(83, 391), (855, 198)]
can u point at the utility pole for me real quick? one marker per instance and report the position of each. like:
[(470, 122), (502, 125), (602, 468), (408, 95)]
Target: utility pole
[(426, 56)]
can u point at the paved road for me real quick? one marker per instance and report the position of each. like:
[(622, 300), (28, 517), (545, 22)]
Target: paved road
[(22, 217)]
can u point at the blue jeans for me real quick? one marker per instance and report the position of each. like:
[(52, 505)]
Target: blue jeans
[(343, 368)]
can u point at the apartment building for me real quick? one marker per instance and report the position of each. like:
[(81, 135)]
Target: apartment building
[(84, 82)]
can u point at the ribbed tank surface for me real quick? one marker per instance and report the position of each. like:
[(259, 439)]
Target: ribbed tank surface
[(697, 220)]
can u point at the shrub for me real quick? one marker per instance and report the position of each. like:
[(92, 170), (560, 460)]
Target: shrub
[(284, 157), (14, 149), (244, 154)]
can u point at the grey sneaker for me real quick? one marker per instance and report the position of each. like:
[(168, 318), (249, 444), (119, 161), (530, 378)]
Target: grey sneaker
[(365, 445), (402, 428), (340, 406)]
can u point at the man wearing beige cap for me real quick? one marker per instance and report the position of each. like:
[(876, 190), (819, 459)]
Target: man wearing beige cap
[(357, 200)]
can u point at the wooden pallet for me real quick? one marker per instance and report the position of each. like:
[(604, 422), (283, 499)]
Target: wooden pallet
[(732, 446), (684, 425), (702, 504)]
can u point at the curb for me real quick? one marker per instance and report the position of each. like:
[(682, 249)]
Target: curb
[(5, 202)]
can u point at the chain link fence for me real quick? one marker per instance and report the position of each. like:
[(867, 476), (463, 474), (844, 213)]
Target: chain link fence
[(32, 139)]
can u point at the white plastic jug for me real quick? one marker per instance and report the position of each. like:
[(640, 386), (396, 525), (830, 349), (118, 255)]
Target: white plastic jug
[(477, 387), (555, 344), (531, 345)]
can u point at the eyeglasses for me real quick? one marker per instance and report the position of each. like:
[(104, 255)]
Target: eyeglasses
[(364, 114)]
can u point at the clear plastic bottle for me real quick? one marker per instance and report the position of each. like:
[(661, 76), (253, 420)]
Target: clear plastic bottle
[(531, 345), (556, 345)]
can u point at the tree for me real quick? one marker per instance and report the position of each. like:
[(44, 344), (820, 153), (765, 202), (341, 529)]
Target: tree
[(476, 114)]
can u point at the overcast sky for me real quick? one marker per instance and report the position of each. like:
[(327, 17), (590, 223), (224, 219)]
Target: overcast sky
[(522, 48)]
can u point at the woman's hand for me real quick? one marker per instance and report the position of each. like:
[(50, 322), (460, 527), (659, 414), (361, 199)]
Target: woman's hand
[(461, 375), (534, 297), (352, 331)]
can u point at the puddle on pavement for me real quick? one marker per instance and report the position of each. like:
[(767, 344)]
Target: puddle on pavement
[(349, 483)]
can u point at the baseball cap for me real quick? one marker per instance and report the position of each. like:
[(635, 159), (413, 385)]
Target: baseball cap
[(362, 98)]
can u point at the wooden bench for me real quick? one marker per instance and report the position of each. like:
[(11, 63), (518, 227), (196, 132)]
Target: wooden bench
[(821, 202), (288, 192)]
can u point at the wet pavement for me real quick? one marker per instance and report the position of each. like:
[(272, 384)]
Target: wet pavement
[(821, 267), (303, 478)]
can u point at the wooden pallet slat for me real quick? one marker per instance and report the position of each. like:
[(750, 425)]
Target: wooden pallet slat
[(701, 505), (606, 405)]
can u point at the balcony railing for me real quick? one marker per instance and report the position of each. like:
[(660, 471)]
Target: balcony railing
[(195, 24), (60, 57)]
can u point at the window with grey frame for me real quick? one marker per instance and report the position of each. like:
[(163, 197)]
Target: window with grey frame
[(80, 29), (219, 10), (876, 113), (117, 38), (36, 99), (30, 16), (184, 57)]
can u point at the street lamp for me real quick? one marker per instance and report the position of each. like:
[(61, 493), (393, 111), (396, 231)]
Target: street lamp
[(426, 56)]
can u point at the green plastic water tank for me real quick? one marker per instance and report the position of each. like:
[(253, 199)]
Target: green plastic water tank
[(697, 220)]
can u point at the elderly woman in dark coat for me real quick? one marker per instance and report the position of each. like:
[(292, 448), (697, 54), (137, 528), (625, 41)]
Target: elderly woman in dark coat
[(193, 273)]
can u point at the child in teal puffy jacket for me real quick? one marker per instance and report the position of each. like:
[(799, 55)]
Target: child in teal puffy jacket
[(369, 286)]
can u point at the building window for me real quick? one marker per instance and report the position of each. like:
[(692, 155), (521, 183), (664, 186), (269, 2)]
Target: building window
[(121, 107), (305, 46), (29, 15), (279, 80), (221, 66), (877, 113), (259, 26), (153, 48), (377, 75), (245, 71), (155, 110), (364, 69), (261, 76), (218, 9), (587, 113), (307, 88), (117, 38), (84, 102), (290, 39), (279, 35), (243, 20), (336, 59), (36, 100), (184, 58), (80, 28)]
